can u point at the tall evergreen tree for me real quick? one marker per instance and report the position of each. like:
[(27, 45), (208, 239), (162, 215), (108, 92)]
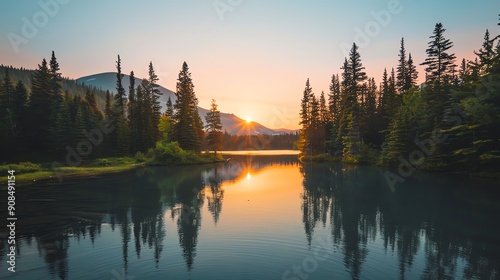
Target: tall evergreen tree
[(323, 109), (56, 81), (334, 98), (439, 62), (186, 117), (133, 114), (169, 112), (154, 93), (214, 128), (305, 119), (120, 97), (412, 74), (40, 108), (121, 133), (402, 70), (485, 55)]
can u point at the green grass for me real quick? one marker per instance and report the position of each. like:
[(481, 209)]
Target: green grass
[(170, 154), (22, 167), (67, 172)]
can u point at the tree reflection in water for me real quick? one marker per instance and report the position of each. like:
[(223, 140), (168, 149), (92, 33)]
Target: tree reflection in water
[(422, 212), (451, 224)]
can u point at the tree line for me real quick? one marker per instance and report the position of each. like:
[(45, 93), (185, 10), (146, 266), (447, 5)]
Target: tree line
[(44, 118), (450, 121)]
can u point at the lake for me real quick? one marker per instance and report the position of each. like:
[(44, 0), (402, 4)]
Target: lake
[(258, 217)]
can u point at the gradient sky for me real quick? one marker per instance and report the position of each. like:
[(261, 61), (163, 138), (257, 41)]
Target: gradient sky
[(253, 59)]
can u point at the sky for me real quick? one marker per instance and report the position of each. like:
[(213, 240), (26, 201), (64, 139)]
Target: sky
[(252, 56)]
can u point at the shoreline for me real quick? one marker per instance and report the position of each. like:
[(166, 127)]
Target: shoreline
[(81, 172)]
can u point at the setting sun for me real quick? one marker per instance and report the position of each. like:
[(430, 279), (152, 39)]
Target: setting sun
[(248, 120)]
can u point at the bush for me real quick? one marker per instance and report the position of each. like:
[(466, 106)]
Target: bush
[(366, 155), (140, 157), (169, 153)]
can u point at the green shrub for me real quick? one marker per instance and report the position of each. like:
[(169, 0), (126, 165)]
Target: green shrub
[(169, 153), (140, 157)]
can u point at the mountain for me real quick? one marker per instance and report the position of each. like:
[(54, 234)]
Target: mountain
[(231, 123)]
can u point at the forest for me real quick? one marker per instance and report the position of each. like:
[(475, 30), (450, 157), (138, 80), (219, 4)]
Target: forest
[(48, 117), (449, 122)]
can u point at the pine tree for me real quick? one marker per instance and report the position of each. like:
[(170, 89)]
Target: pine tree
[(147, 130), (323, 109), (334, 98), (412, 74), (120, 135), (334, 105), (439, 66), (154, 93), (485, 54), (353, 85), (169, 112), (316, 132), (402, 70), (353, 79), (56, 82), (305, 109), (214, 128), (305, 120), (120, 97), (186, 130), (132, 115), (394, 99), (388, 99), (371, 130), (40, 108), (439, 61), (140, 119)]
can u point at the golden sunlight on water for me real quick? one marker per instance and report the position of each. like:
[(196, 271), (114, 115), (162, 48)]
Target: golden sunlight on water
[(260, 197)]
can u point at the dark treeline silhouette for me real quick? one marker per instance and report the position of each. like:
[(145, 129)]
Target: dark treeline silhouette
[(449, 122), (285, 141), (359, 208), (37, 124), (45, 117)]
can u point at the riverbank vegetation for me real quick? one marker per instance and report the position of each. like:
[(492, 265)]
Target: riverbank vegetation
[(62, 127), (449, 122)]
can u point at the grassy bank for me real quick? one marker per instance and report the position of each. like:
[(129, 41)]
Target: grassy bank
[(28, 172), (162, 155)]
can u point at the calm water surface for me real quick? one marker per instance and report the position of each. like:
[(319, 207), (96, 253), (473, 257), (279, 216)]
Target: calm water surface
[(258, 217)]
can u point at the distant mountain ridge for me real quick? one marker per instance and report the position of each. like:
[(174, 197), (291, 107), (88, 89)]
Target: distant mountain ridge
[(230, 122)]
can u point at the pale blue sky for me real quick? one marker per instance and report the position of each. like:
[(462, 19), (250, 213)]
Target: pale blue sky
[(254, 58)]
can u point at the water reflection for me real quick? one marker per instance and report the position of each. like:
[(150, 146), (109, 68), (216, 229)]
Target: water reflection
[(420, 215), (435, 227)]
